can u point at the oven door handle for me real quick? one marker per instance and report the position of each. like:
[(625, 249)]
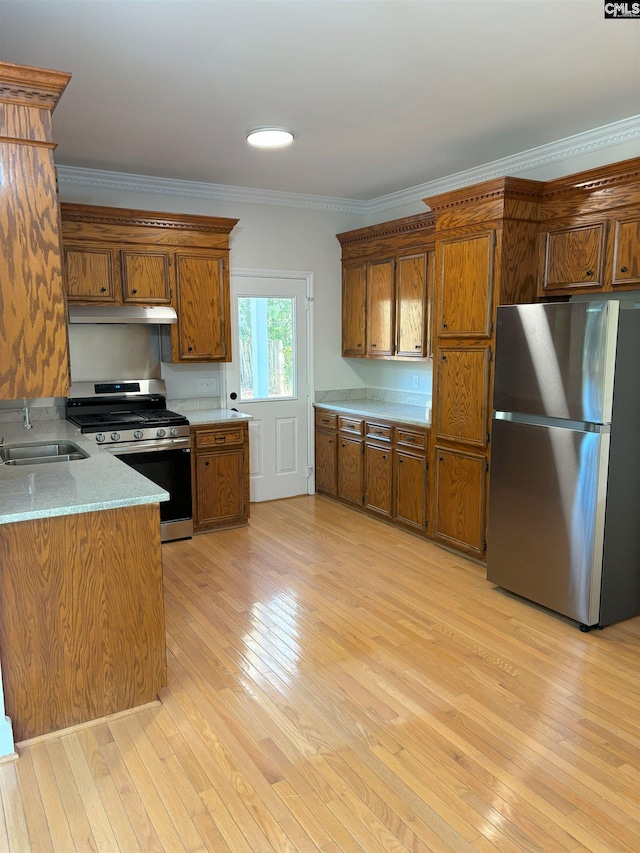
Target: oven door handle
[(143, 447)]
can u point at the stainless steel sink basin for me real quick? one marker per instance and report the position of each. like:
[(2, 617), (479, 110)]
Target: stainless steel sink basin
[(37, 454)]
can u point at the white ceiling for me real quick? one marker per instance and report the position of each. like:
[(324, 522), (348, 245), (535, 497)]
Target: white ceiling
[(381, 94)]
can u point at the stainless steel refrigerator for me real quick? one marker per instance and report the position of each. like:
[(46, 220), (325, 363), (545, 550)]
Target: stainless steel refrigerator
[(564, 505)]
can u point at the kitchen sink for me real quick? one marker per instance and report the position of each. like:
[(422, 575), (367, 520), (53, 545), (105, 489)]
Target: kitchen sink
[(37, 454)]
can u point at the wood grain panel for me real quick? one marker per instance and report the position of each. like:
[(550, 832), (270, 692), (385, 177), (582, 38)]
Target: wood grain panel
[(399, 236), (381, 308), (461, 405), (626, 252), (411, 305), (145, 277), (89, 274), (378, 472), (606, 188), (219, 494), (465, 267), (353, 310), (350, 470), (410, 472), (34, 354), (203, 308), (221, 437), (573, 258), (459, 499), (326, 465), (82, 633)]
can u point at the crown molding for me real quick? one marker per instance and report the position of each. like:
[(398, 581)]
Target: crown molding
[(596, 139)]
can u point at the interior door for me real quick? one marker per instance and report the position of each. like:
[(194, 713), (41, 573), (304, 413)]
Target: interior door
[(270, 379)]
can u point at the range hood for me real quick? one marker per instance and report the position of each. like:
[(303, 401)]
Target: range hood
[(122, 314)]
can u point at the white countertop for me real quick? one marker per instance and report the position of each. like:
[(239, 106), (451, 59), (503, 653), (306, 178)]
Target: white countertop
[(67, 488), (215, 416), (397, 412)]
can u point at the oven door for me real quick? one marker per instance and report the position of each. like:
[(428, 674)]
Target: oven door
[(170, 468)]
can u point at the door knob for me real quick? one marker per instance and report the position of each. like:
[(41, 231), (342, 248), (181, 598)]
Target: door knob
[(233, 396)]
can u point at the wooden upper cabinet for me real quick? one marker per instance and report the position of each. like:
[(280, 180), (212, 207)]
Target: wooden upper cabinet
[(34, 351), (412, 306), (354, 308), (572, 258), (461, 404), (381, 308), (203, 305), (626, 252), (90, 275), (465, 267), (145, 276)]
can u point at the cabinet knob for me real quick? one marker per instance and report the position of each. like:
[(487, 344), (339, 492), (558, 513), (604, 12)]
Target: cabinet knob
[(206, 464), (330, 441), (372, 345), (443, 357), (445, 325), (441, 459), (623, 269), (190, 349), (384, 455), (103, 290), (400, 461), (417, 346), (589, 272), (135, 290), (359, 345)]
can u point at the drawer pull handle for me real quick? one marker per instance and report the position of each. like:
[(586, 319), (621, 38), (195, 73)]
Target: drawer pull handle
[(220, 439)]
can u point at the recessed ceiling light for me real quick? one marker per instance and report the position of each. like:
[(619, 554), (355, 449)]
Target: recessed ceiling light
[(269, 137)]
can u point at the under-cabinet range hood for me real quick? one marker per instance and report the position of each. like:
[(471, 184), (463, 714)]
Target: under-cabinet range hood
[(119, 314)]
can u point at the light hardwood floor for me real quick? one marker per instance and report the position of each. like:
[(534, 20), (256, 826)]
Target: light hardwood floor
[(338, 685)]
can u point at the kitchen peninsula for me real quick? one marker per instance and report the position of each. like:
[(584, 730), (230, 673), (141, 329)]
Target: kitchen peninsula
[(82, 628)]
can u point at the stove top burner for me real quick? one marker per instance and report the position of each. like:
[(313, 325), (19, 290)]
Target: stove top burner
[(109, 420)]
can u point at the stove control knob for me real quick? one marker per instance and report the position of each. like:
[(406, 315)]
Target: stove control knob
[(115, 436), (173, 431), (100, 437), (138, 434), (161, 433)]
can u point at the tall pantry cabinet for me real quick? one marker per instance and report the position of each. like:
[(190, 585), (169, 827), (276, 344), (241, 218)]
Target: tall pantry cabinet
[(486, 255), (34, 352)]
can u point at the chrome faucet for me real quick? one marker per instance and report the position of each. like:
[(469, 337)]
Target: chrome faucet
[(25, 413)]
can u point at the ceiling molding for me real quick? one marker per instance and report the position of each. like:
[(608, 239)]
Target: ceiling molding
[(596, 139)]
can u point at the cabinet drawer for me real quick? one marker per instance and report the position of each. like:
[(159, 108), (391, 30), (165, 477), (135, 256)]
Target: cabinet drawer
[(379, 432), (219, 437), (409, 438), (351, 425), (326, 420)]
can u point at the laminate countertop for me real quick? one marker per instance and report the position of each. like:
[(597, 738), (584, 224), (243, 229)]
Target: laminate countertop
[(396, 412), (215, 416), (67, 488)]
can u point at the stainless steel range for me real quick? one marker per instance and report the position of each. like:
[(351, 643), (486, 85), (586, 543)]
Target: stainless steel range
[(130, 420)]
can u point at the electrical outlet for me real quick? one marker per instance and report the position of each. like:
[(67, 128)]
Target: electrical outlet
[(207, 385), (416, 380)]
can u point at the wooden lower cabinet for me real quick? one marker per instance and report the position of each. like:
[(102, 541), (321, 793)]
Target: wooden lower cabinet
[(460, 482), (220, 475), (350, 470), (82, 632), (379, 466)]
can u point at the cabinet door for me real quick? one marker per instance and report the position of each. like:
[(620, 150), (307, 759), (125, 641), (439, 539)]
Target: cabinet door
[(462, 392), (203, 308), (572, 258), (219, 487), (350, 470), (380, 308), (89, 274), (145, 277), (411, 305), (354, 307), (326, 462), (411, 489), (459, 499), (466, 285), (377, 479), (626, 253)]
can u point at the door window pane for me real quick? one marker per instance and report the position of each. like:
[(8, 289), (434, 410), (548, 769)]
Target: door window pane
[(266, 347)]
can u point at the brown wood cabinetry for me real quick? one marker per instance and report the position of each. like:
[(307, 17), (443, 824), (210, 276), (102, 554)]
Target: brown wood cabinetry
[(459, 499), (34, 351), (387, 273), (82, 628), (220, 475), (463, 394), (590, 232), (120, 256), (465, 272), (377, 465)]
